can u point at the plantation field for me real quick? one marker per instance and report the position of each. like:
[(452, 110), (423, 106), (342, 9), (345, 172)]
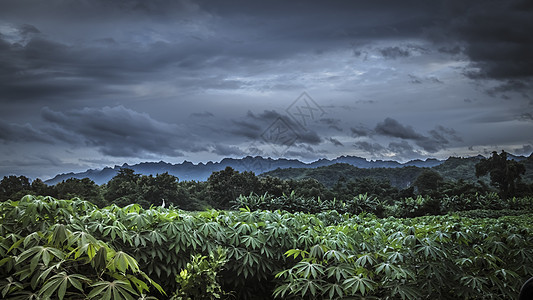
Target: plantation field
[(71, 249)]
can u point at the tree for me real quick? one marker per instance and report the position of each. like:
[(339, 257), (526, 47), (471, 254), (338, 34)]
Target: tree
[(428, 182), (14, 187), (163, 186), (226, 185), (372, 186), (194, 195), (309, 188), (504, 173), (123, 189), (85, 189), (274, 186), (38, 187)]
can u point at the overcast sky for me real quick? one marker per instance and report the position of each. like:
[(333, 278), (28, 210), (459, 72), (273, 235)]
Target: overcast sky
[(88, 84)]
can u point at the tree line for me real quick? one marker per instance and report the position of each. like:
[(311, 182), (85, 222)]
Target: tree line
[(224, 187)]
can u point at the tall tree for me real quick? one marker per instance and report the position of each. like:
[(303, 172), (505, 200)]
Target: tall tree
[(309, 188), (161, 187), (123, 189), (38, 187), (504, 173), (428, 182), (14, 187), (85, 189), (226, 185), (274, 186)]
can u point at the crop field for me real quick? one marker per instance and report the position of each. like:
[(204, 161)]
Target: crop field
[(71, 249)]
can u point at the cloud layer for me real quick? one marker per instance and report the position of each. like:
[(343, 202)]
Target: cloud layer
[(199, 80)]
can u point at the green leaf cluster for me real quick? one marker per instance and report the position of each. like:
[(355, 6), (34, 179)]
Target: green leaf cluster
[(71, 249)]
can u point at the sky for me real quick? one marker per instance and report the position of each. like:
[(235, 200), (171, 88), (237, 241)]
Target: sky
[(88, 84)]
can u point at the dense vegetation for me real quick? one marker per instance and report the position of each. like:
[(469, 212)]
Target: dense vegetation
[(339, 182), (360, 238), (71, 249)]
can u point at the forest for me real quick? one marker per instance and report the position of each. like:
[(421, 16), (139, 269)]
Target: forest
[(242, 236)]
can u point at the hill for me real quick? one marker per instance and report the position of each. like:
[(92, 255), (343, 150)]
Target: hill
[(187, 171), (325, 170), (454, 168), (329, 175)]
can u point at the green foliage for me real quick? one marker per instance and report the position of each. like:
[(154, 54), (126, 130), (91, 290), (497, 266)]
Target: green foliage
[(504, 173), (330, 175), (71, 249), (408, 207), (419, 206), (431, 258), (458, 168), (294, 203), (155, 189), (490, 213), (347, 189), (226, 185), (46, 253), (14, 187), (129, 188), (309, 188), (199, 279), (428, 182), (123, 188), (83, 188)]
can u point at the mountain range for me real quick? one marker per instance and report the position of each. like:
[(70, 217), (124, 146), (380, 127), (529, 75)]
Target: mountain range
[(200, 172), (187, 171)]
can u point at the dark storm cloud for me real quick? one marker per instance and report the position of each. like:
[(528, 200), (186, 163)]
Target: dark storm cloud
[(414, 79), (497, 37), (402, 149), (227, 151), (335, 142), (394, 52), (118, 131), (13, 133), (392, 128), (305, 152), (437, 139), (254, 125), (331, 123), (442, 133), (178, 53), (204, 114), (27, 29), (209, 35), (420, 80), (372, 148), (450, 50), (46, 69), (246, 129), (360, 131), (511, 86), (43, 69), (526, 117)]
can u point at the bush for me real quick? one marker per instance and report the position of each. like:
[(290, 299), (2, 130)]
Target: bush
[(71, 249), (419, 206), (198, 281), (488, 213)]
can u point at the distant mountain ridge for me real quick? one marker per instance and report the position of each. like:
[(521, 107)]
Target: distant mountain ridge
[(186, 170), (453, 167)]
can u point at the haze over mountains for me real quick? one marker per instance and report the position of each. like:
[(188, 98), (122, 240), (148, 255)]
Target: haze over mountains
[(200, 172)]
